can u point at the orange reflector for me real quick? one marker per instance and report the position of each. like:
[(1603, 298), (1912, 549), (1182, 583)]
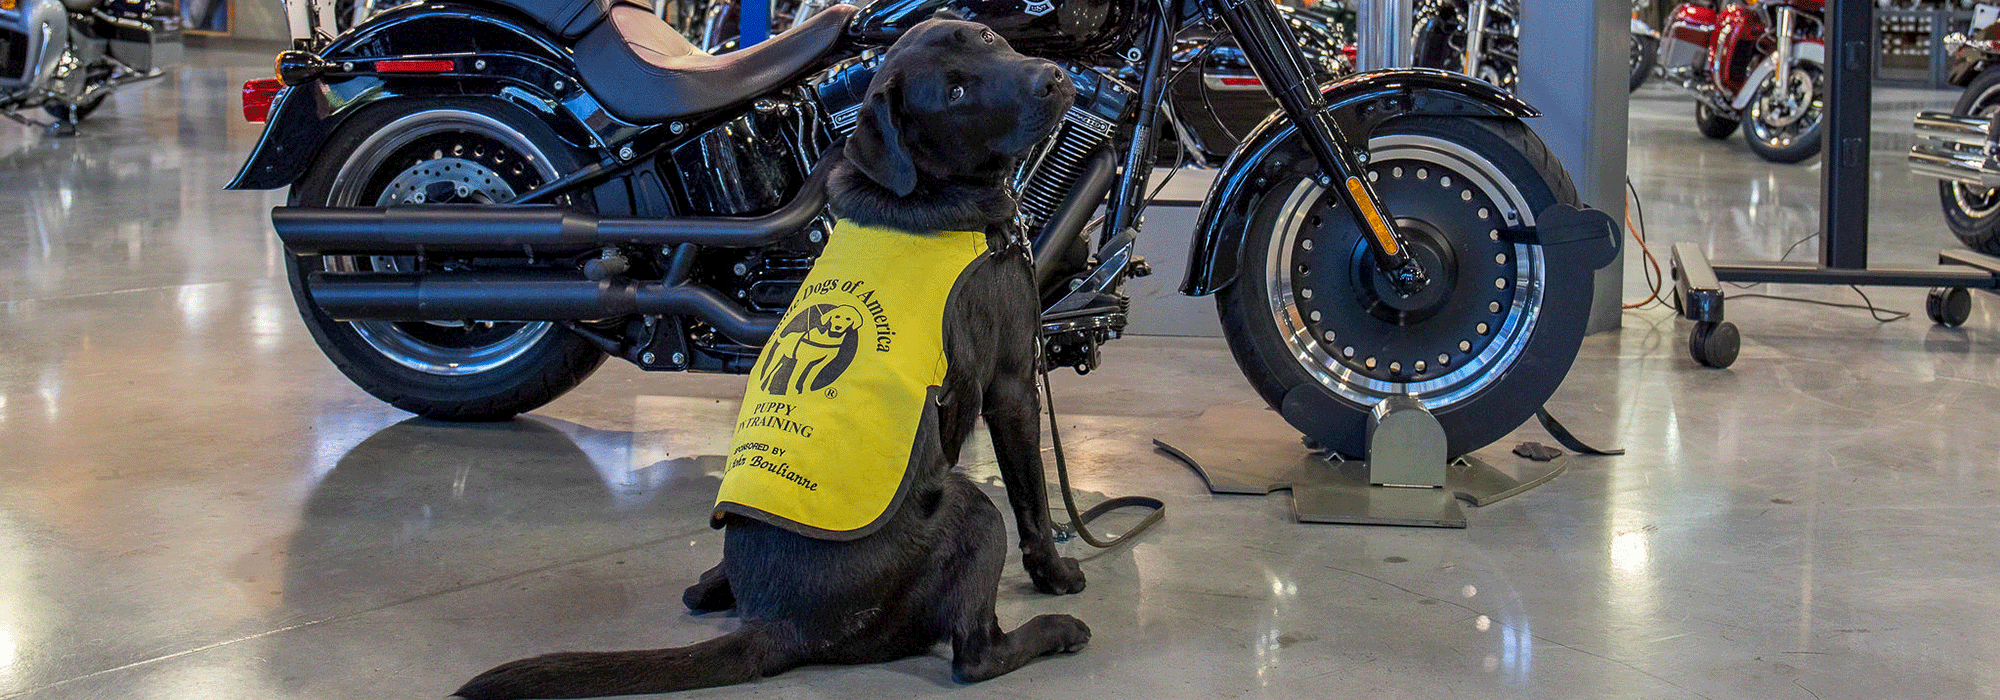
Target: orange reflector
[(1374, 216), (257, 98), (415, 66), (9, 5)]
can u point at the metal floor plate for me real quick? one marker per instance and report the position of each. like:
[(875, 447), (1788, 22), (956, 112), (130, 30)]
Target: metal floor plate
[(1249, 450)]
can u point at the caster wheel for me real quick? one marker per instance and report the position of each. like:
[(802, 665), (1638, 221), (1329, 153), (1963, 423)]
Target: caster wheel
[(1949, 306), (1714, 343)]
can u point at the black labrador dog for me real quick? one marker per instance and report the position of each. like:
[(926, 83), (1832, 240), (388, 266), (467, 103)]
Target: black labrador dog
[(947, 118)]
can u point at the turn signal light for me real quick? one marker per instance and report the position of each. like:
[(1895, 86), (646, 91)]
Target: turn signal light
[(9, 5), (257, 98)]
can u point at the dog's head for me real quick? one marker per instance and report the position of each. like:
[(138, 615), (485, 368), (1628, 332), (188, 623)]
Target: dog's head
[(953, 102)]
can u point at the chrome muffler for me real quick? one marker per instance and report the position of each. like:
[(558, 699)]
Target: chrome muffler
[(1956, 149)]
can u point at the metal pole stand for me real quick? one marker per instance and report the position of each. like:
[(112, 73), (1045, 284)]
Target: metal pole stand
[(1843, 216), (1406, 480)]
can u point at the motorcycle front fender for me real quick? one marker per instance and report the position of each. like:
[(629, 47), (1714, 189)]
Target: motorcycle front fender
[(1803, 50), (1358, 104), (493, 55)]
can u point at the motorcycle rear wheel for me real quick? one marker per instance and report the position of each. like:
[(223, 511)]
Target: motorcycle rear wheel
[(462, 150), (1973, 213), (1309, 311), (1712, 122), (1645, 52), (1779, 129)]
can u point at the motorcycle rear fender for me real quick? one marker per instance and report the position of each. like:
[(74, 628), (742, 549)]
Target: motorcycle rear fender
[(1359, 104), (495, 54), (1808, 50)]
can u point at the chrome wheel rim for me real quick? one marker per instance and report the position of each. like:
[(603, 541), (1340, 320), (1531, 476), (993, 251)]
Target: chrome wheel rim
[(1438, 375), (1780, 118), (473, 158)]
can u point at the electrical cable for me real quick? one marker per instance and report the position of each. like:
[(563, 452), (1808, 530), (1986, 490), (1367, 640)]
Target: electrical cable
[(1880, 315), (1655, 278)]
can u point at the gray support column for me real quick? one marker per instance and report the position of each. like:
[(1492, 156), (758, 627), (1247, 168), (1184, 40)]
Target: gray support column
[(1383, 38), (1574, 68)]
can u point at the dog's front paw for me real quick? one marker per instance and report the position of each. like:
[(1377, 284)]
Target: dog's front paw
[(1056, 575), (1070, 633)]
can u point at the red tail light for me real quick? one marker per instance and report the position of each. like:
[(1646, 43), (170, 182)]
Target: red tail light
[(1243, 82), (415, 66), (257, 97)]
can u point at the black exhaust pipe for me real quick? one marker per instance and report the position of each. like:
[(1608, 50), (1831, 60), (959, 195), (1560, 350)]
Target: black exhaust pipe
[(520, 296), (530, 230)]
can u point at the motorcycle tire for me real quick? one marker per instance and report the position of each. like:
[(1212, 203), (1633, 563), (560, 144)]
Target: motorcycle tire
[(1645, 52), (71, 114), (406, 152), (1713, 123), (1310, 322), (1781, 137), (1973, 213)]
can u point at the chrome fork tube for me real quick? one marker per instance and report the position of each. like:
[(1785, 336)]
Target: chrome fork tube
[(1475, 36), (1784, 57)]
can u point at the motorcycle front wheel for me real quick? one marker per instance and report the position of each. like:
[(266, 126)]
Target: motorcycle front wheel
[(434, 152), (1784, 122), (1310, 312), (1973, 212)]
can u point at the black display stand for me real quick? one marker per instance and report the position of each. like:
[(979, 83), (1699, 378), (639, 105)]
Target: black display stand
[(1249, 450), (1843, 214)]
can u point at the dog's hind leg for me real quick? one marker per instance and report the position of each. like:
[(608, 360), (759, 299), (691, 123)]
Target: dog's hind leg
[(710, 593), (979, 649)]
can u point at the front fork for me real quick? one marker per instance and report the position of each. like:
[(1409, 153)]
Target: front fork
[(1784, 56), (1260, 31)]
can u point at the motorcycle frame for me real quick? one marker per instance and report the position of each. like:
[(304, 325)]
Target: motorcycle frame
[(1327, 123)]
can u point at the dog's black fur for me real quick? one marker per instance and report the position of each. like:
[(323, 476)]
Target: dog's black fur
[(949, 114)]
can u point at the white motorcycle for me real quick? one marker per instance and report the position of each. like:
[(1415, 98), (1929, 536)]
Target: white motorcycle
[(66, 56)]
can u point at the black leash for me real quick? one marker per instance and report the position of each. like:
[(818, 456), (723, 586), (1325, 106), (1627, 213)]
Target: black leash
[(1568, 439), (1079, 521)]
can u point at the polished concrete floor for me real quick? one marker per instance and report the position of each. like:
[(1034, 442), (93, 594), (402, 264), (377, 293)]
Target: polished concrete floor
[(195, 504)]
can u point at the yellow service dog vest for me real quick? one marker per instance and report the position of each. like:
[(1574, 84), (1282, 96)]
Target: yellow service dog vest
[(838, 397)]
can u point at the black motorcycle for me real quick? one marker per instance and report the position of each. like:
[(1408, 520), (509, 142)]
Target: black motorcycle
[(490, 196)]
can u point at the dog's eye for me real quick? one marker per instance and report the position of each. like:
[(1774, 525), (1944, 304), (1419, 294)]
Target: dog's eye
[(957, 93)]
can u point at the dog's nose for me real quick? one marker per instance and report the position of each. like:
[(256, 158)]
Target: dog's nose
[(1051, 81)]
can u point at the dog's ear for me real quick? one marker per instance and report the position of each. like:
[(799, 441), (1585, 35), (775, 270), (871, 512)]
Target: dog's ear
[(877, 148)]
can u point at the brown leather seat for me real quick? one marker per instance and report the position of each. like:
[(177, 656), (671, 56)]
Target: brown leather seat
[(644, 72)]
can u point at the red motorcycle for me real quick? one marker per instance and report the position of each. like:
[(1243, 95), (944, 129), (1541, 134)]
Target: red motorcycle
[(1760, 64)]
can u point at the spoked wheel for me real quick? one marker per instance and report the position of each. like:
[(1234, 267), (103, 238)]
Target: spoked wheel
[(1785, 122), (1973, 212), (460, 152), (1312, 322)]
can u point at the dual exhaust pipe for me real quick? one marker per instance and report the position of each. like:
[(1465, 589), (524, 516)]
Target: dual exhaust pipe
[(1956, 149), (535, 232)]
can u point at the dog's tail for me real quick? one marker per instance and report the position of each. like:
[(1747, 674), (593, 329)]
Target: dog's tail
[(738, 657)]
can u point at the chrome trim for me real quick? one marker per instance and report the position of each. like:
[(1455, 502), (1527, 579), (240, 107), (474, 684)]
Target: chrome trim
[(386, 337), (1471, 377)]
